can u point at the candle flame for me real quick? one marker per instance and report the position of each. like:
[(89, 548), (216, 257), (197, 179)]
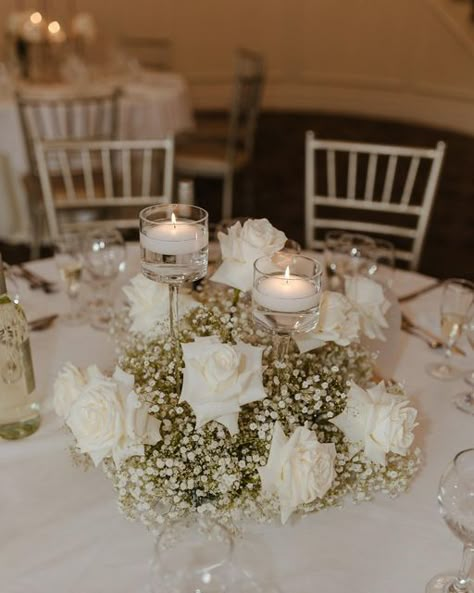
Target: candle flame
[(287, 273), (173, 219), (54, 27), (36, 18)]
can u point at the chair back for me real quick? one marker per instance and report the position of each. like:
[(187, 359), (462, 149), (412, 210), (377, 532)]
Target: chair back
[(67, 115), (248, 85), (107, 175), (376, 189), (150, 52)]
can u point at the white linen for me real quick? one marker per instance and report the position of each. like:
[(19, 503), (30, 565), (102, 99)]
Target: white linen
[(61, 531), (156, 105)]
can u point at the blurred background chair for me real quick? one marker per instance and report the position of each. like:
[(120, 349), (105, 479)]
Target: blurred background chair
[(220, 153), (51, 115), (384, 191), (113, 178), (154, 53)]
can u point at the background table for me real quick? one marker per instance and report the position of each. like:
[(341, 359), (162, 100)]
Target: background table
[(61, 531), (151, 106)]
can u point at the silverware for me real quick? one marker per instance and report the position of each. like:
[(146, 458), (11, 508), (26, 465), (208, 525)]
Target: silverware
[(419, 292), (426, 335), (35, 280), (433, 344), (41, 323)]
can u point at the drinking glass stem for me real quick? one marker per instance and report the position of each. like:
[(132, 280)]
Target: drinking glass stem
[(174, 330), (280, 346), (74, 305), (461, 583)]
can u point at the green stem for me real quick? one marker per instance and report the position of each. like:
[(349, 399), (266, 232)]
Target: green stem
[(235, 300)]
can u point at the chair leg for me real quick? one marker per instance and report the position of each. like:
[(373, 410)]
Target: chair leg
[(227, 196)]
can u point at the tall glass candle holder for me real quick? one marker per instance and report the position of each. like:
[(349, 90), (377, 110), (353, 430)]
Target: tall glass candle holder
[(174, 249), (285, 296)]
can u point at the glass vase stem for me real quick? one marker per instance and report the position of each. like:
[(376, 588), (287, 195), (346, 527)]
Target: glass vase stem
[(462, 581), (174, 330), (281, 344)]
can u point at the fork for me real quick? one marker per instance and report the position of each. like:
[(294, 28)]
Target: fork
[(433, 344), (425, 335)]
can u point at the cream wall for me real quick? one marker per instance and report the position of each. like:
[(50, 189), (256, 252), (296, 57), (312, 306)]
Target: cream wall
[(407, 59)]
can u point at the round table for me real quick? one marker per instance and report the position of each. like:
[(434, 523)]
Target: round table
[(61, 531), (152, 106)]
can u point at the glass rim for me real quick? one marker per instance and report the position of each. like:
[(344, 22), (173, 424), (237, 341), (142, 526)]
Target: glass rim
[(204, 215), (351, 234), (461, 281), (319, 267), (463, 452)]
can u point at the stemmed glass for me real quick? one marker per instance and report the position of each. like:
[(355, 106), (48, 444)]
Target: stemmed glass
[(382, 265), (346, 254), (285, 296), (456, 300), (456, 501), (105, 255), (174, 249), (69, 261), (465, 401)]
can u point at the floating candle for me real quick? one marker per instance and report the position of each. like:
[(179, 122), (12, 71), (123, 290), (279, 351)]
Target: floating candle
[(286, 293), (174, 237)]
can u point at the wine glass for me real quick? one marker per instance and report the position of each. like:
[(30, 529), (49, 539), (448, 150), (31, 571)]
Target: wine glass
[(381, 265), (456, 503), (104, 254), (465, 401), (346, 254), (456, 300), (69, 262)]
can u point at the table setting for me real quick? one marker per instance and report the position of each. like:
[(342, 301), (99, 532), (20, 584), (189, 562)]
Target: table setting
[(245, 418), (151, 104)]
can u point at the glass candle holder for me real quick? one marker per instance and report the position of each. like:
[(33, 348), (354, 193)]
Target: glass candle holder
[(174, 249), (285, 295), (174, 243)]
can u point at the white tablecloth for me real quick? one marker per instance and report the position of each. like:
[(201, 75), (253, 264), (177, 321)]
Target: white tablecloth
[(61, 532), (153, 106)]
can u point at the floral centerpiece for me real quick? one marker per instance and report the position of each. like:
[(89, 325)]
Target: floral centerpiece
[(226, 430)]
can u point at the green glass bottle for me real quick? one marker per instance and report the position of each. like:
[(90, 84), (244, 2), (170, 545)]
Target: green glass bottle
[(19, 412)]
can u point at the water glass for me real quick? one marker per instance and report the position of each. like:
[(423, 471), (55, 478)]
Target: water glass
[(105, 256), (69, 262), (456, 300), (456, 504)]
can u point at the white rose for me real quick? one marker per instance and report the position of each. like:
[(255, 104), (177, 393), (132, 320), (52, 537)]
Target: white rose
[(299, 469), (149, 304), (67, 387), (338, 323), (219, 378), (221, 367), (241, 247), (377, 422), (368, 298), (107, 419), (96, 419)]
